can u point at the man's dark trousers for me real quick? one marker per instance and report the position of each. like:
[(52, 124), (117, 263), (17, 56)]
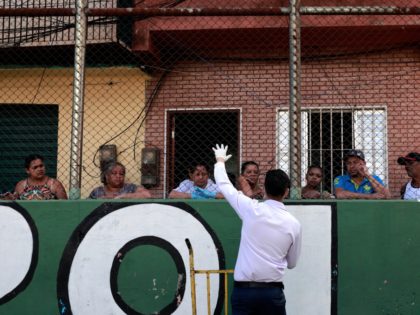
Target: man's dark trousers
[(257, 299)]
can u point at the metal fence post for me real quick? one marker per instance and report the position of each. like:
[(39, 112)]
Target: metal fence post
[(78, 100), (294, 101)]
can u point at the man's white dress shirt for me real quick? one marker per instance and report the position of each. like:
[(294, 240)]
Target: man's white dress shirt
[(270, 236)]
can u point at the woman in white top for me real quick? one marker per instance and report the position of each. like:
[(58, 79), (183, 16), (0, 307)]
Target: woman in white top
[(198, 186), (411, 190)]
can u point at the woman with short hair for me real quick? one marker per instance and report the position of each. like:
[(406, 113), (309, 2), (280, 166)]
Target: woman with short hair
[(115, 187), (198, 186)]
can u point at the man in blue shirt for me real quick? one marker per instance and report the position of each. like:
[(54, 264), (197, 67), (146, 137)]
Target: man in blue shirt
[(358, 183)]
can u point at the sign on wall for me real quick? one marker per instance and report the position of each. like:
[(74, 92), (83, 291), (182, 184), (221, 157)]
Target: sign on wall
[(132, 258)]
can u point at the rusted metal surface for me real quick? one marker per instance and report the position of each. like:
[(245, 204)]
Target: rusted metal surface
[(360, 10), (146, 12), (268, 11)]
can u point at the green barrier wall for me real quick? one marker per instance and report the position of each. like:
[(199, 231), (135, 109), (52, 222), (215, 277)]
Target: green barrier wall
[(379, 257), (371, 268)]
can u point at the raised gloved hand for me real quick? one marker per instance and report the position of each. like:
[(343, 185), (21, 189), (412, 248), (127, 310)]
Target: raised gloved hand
[(220, 153)]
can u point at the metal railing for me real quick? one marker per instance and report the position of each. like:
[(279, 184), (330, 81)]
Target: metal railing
[(193, 272)]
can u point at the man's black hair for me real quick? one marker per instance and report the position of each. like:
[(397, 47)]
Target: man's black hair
[(276, 182)]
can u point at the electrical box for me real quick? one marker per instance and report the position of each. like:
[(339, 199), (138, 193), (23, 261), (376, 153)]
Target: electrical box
[(107, 154), (150, 159)]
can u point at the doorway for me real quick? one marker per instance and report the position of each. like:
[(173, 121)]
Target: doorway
[(26, 129), (193, 134)]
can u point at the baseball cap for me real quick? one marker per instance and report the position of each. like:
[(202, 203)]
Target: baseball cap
[(356, 153), (410, 157)]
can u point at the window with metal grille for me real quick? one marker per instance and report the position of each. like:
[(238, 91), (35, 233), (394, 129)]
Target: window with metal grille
[(328, 133)]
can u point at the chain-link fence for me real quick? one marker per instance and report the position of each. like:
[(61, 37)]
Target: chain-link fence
[(163, 84)]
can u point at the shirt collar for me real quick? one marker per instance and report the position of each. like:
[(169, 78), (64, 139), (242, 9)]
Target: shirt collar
[(275, 203), (361, 183)]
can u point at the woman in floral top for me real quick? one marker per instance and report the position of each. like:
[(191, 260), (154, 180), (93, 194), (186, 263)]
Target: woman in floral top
[(38, 186)]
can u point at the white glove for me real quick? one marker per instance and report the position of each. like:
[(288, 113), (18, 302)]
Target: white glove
[(220, 153)]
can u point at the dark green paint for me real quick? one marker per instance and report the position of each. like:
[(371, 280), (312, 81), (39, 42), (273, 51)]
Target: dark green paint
[(145, 284), (378, 256), (26, 129)]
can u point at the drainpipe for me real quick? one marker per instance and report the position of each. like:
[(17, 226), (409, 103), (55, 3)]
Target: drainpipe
[(78, 100), (295, 137)]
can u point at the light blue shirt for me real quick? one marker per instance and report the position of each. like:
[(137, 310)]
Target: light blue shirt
[(187, 186)]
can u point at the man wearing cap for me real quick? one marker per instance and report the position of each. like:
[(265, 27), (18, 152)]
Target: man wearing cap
[(358, 183), (411, 189)]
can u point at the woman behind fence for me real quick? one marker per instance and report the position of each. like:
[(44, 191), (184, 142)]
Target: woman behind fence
[(198, 186), (115, 187), (38, 186), (248, 182), (312, 190)]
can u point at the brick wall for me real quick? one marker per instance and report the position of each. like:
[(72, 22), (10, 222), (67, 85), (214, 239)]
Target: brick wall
[(260, 88)]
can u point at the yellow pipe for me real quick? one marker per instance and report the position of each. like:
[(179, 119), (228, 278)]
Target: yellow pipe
[(208, 293), (193, 272), (215, 271), (226, 293), (192, 279)]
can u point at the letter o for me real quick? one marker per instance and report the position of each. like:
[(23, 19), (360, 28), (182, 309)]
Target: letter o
[(84, 279), (18, 250)]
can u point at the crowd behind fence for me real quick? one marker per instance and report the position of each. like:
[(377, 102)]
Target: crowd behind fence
[(157, 89)]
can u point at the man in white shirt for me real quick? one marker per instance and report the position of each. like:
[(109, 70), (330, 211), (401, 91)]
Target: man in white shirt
[(270, 242)]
